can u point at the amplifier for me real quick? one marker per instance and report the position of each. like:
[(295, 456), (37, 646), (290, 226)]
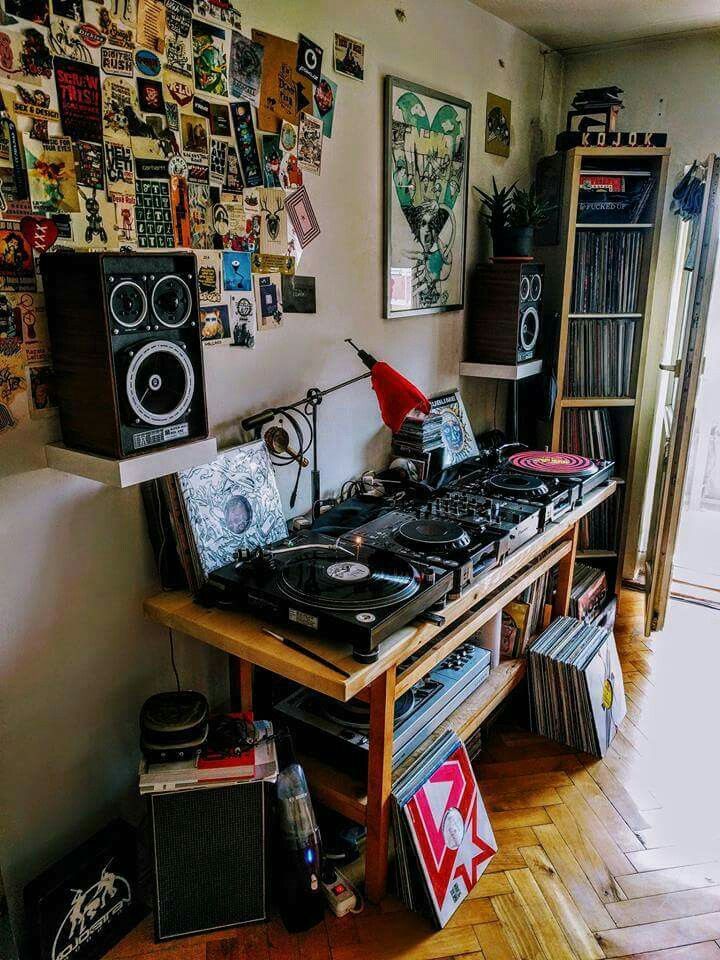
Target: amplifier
[(210, 857)]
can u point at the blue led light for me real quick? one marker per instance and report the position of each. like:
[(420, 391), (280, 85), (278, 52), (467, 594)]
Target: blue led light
[(309, 855)]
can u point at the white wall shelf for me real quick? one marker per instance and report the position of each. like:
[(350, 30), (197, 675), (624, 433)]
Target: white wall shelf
[(134, 470), (501, 371)]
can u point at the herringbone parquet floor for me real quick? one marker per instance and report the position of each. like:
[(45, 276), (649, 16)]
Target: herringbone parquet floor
[(612, 858)]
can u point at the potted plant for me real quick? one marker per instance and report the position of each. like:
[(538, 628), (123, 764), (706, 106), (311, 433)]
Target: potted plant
[(494, 211), (526, 212)]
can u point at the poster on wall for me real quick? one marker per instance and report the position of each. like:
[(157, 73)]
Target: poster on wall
[(497, 126), (426, 178)]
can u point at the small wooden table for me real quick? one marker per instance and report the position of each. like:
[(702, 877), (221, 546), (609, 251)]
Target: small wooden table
[(241, 635)]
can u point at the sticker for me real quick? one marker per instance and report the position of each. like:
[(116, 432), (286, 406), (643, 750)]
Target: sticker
[(116, 62), (29, 309), (34, 10), (13, 380), (89, 164), (219, 120), (225, 12), (41, 394), (177, 166), (302, 217), (51, 175), (173, 116), (119, 99), (298, 294), (178, 54), (180, 91), (246, 144), (40, 232), (148, 169), (324, 104), (16, 262), (236, 270), (200, 213), (284, 93), (245, 68), (73, 9), (151, 25), (195, 141), (25, 57), (153, 219), (349, 56), (125, 222), (209, 276), (198, 173), (150, 96), (79, 99), (218, 158), (268, 297), (90, 35), (271, 158), (214, 323), (180, 210), (272, 263), (273, 221), (201, 107), (97, 211), (209, 60), (288, 137), (151, 138), (309, 58), (119, 169), (310, 135), (243, 322), (115, 32), (148, 63), (34, 103), (233, 177)]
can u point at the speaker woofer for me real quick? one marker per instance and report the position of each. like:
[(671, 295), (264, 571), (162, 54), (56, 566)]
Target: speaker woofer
[(160, 383), (535, 286), (529, 329), (524, 288)]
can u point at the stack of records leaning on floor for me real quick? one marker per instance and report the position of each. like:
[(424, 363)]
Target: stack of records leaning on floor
[(443, 838), (576, 686), (589, 591)]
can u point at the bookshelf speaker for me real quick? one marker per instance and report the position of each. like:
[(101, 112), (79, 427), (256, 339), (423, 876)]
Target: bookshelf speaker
[(126, 350), (504, 320), (210, 858)]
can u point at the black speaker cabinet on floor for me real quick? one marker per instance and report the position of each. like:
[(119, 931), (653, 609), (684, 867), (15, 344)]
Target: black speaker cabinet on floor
[(504, 318), (126, 350), (210, 853)]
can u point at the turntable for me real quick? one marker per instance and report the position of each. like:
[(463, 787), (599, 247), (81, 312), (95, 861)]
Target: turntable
[(322, 724), (566, 468), (418, 536), (353, 591)]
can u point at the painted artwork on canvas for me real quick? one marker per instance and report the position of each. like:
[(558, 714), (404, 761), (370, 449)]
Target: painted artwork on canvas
[(427, 137)]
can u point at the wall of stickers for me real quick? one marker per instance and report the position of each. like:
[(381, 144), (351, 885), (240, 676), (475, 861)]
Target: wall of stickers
[(76, 563), (149, 125)]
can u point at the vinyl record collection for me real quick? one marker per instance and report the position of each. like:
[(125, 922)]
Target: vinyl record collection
[(589, 591), (607, 271), (419, 434), (576, 686), (443, 838), (600, 355), (523, 617), (589, 431)]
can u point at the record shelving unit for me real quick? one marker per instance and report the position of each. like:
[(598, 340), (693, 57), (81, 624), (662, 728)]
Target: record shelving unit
[(578, 271)]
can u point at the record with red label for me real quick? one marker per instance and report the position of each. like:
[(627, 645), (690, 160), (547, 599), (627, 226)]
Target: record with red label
[(547, 463), (451, 832)]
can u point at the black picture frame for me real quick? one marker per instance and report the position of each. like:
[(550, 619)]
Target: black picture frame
[(393, 208)]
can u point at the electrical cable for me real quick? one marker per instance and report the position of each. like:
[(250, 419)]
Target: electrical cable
[(172, 658)]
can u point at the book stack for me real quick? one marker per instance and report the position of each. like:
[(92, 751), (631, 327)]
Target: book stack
[(576, 686), (418, 435), (599, 357), (589, 592), (606, 272), (443, 838)]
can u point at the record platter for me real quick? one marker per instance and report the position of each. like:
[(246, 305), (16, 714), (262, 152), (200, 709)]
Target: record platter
[(347, 589)]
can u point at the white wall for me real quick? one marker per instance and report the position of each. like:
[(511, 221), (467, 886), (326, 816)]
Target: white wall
[(76, 657), (668, 85)]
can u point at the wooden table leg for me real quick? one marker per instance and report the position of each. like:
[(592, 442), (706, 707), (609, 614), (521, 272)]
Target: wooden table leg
[(561, 603), (241, 682), (382, 715)]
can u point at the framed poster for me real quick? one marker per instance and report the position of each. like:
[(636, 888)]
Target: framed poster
[(427, 135)]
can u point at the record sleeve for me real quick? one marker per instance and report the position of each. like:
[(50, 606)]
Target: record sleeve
[(450, 831), (457, 436), (232, 503)]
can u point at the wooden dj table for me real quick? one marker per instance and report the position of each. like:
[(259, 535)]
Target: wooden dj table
[(241, 635)]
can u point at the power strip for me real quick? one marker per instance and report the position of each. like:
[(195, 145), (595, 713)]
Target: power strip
[(339, 894)]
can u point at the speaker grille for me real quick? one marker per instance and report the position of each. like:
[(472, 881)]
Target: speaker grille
[(210, 862)]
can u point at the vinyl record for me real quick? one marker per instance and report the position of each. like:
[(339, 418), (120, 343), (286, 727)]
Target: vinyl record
[(549, 464), (341, 581)]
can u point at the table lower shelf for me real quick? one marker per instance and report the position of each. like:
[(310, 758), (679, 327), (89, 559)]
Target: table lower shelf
[(348, 795)]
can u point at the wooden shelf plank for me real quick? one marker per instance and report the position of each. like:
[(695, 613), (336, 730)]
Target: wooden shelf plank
[(598, 401), (614, 226), (596, 554), (500, 371)]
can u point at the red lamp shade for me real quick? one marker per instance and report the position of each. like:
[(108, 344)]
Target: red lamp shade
[(396, 395)]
